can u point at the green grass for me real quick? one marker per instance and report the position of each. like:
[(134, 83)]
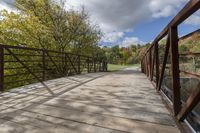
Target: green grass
[(113, 67)]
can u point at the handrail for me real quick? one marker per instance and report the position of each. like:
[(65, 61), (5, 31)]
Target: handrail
[(151, 63), (37, 49), (23, 65)]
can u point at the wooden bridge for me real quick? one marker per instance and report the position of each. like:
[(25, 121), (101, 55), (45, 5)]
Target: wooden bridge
[(76, 94), (123, 101)]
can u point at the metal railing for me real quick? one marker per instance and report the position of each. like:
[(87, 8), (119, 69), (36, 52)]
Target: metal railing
[(21, 65), (161, 63)]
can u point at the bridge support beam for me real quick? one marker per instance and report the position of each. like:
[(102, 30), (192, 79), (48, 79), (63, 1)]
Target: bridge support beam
[(175, 69)]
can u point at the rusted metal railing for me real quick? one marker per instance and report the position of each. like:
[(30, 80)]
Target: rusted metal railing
[(157, 61), (21, 65)]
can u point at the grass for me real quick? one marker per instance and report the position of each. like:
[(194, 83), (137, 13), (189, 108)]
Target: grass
[(113, 67)]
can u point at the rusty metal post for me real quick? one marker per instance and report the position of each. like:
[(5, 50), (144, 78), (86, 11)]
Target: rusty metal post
[(65, 64), (106, 66), (157, 63), (100, 66), (164, 64), (146, 71), (144, 65), (1, 68), (79, 64), (147, 63), (43, 66), (88, 65), (150, 63), (175, 69), (153, 63), (94, 62)]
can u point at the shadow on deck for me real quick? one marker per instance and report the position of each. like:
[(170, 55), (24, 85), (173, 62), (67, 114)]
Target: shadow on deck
[(123, 101)]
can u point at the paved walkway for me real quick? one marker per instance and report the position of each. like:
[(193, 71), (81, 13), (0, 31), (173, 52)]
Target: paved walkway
[(120, 102)]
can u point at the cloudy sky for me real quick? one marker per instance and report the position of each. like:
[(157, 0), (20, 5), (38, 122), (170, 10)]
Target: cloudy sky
[(130, 21)]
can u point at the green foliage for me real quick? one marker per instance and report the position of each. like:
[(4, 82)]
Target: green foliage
[(114, 67), (122, 56), (46, 24)]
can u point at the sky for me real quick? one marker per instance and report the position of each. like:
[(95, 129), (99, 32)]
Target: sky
[(126, 22)]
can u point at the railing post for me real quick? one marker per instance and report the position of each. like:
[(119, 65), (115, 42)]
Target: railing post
[(175, 69), (146, 60), (1, 68), (161, 76), (43, 66), (106, 65), (88, 64), (145, 68), (153, 63), (150, 56), (65, 63), (94, 64), (157, 63), (79, 64), (100, 66)]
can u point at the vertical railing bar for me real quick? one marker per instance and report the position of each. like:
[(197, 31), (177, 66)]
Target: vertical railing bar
[(79, 64), (88, 64), (153, 62), (157, 63), (146, 65), (71, 63), (175, 69), (150, 62), (94, 61), (164, 63), (65, 64), (1, 68), (43, 66)]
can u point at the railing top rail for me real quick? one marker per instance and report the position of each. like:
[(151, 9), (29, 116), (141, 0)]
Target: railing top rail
[(37, 49), (189, 54)]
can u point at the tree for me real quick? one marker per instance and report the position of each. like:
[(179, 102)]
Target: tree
[(46, 24)]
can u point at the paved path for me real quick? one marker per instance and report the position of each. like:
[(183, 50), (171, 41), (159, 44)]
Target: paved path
[(120, 102)]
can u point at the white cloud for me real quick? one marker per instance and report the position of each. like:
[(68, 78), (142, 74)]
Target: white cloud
[(112, 37), (131, 41), (114, 15), (194, 19), (7, 5), (4, 7), (165, 8), (120, 16), (117, 17)]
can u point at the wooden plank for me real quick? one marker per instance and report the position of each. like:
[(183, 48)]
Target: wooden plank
[(129, 103)]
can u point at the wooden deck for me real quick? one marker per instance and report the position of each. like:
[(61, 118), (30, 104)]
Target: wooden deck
[(120, 102)]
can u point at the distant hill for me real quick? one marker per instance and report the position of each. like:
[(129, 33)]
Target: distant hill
[(190, 43)]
